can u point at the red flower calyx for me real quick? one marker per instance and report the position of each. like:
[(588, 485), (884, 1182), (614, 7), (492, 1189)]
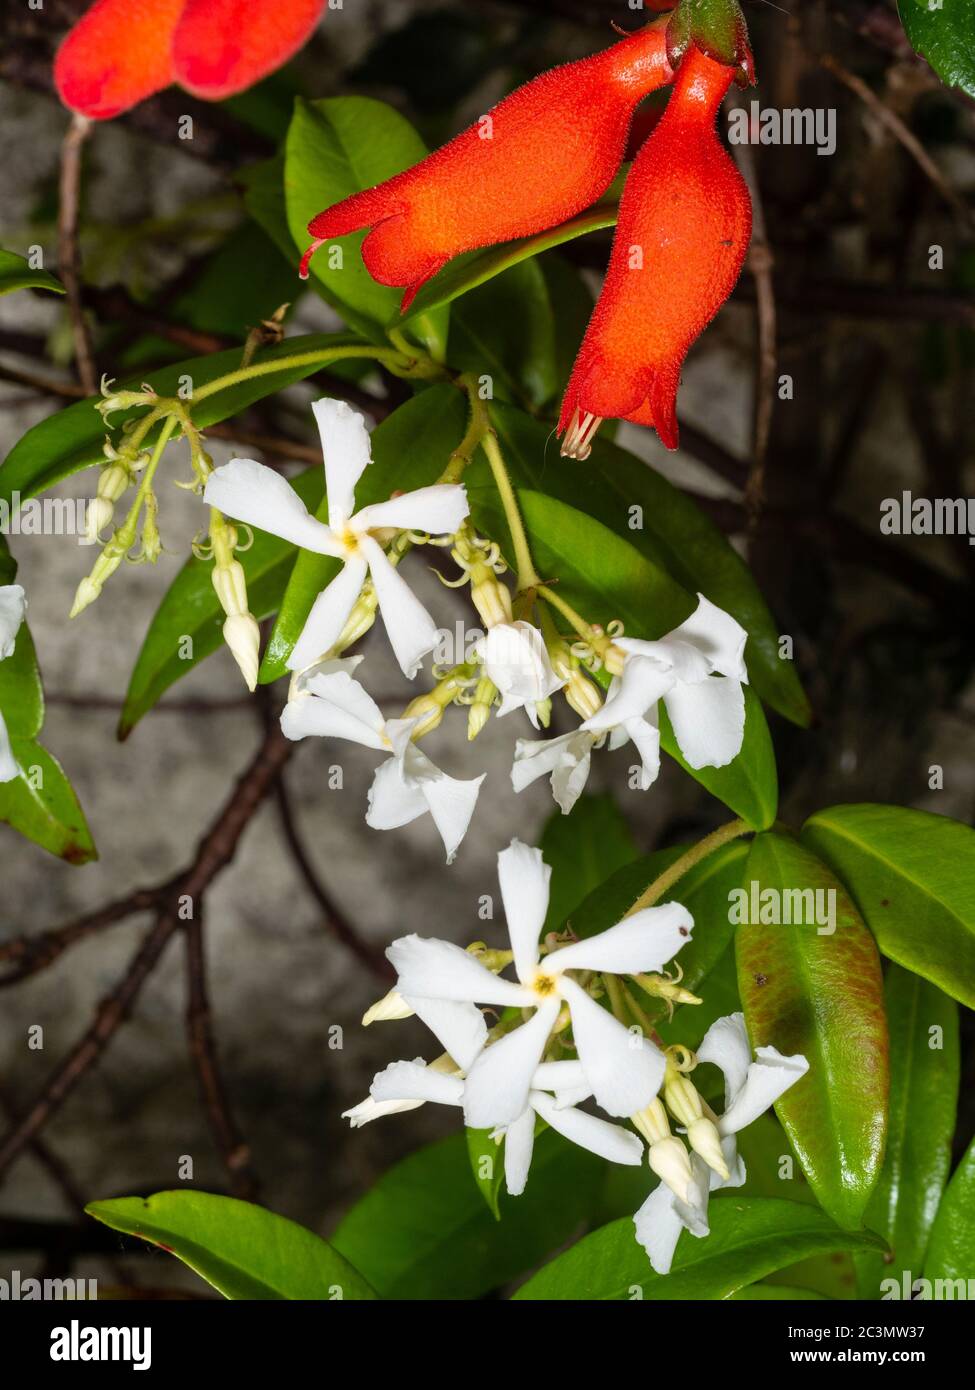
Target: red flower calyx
[(122, 51), (541, 155), (681, 237)]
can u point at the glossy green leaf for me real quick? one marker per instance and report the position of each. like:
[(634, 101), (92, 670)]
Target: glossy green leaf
[(41, 805), (819, 993), (336, 147), (944, 33), (410, 449), (72, 439), (425, 1232), (188, 624), (912, 876), (487, 1167), (16, 274), (750, 1237), (923, 1024), (21, 693), (773, 1293), (673, 534), (244, 1251), (951, 1250), (474, 268), (583, 848)]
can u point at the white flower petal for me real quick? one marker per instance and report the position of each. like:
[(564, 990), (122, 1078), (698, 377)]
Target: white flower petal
[(708, 720), (450, 800), (392, 800), (718, 636), (658, 1228), (13, 606), (329, 614), (496, 1090), (641, 685), (538, 757), (524, 877), (726, 1046), (438, 510), (768, 1078), (412, 632), (519, 1142), (645, 941), (611, 1142), (368, 1110), (458, 1027), (250, 492), (694, 1211), (623, 1068), (685, 661), (516, 659), (559, 1076), (329, 666), (438, 969), (646, 737), (335, 706), (416, 1081), (346, 450), (8, 765)]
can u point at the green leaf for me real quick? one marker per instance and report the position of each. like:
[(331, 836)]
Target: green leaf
[(583, 847), (41, 805), (336, 147), (487, 1167), (16, 274), (951, 1250), (410, 449), (674, 534), (474, 268), (605, 577), (72, 439), (241, 1249), (923, 1025), (944, 33), (911, 876), (425, 1232), (769, 1293), (188, 624), (750, 1237), (21, 693), (820, 995)]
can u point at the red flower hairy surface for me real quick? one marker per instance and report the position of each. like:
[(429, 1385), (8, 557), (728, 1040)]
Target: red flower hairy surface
[(541, 155)]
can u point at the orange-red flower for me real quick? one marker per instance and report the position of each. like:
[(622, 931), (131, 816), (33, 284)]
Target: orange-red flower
[(537, 158), (681, 238), (122, 51)]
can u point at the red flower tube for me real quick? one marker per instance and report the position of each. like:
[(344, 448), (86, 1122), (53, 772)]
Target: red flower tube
[(122, 51), (538, 157), (683, 229)]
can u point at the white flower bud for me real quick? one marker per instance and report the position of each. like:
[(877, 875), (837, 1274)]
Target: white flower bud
[(231, 587), (391, 1006), (243, 637), (652, 1122), (87, 591), (705, 1140), (99, 514), (582, 695), (682, 1098), (671, 1162), (491, 599)]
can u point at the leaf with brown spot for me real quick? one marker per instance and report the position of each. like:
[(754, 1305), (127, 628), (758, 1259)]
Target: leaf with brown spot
[(822, 996)]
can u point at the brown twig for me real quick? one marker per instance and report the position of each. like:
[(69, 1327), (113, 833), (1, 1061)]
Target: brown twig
[(233, 1148), (69, 259), (216, 850), (33, 953), (906, 138)]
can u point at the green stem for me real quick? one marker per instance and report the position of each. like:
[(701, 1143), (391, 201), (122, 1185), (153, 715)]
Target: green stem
[(577, 621), (391, 356), (526, 576), (477, 427), (732, 831)]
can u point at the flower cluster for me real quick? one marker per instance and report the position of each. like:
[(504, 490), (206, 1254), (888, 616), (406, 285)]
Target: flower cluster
[(697, 671), (551, 149), (13, 606), (563, 1037)]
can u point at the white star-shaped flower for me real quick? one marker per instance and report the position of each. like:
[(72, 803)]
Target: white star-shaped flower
[(252, 493), (329, 703), (461, 1030), (566, 759), (623, 1069), (515, 658), (698, 670), (13, 606), (750, 1088)]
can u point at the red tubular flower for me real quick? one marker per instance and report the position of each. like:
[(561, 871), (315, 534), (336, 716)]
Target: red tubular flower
[(541, 155), (683, 229), (122, 51)]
